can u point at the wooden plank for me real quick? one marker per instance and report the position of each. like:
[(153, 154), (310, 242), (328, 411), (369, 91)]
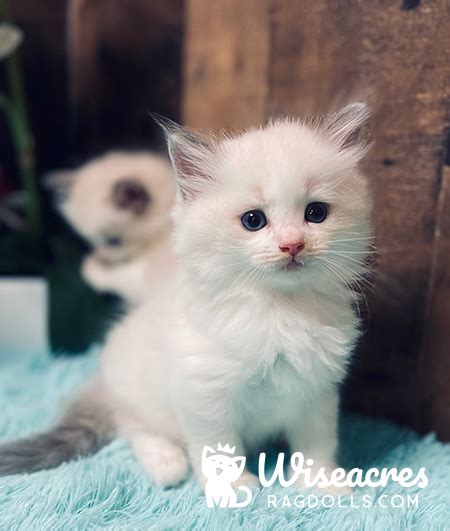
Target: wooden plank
[(124, 60), (226, 62), (314, 55), (434, 370), (400, 57)]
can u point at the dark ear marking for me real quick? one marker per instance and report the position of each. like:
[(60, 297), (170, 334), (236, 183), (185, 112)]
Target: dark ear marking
[(130, 194), (349, 128)]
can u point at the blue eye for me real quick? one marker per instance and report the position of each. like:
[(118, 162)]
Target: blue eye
[(254, 220), (316, 212)]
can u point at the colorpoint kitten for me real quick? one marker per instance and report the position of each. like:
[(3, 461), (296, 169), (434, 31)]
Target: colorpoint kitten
[(120, 203), (252, 330)]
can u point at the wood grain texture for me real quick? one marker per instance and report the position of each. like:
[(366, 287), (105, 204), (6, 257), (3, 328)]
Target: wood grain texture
[(305, 57), (225, 81), (434, 368), (125, 61)]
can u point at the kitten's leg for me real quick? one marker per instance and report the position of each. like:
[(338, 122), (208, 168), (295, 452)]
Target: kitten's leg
[(218, 428), (125, 279), (195, 452), (315, 435), (165, 462)]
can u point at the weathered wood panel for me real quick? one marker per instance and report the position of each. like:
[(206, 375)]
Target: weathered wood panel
[(125, 61), (434, 369), (307, 56), (227, 50)]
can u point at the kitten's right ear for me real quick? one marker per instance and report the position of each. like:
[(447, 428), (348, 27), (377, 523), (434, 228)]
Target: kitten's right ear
[(191, 156), (349, 128), (59, 182)]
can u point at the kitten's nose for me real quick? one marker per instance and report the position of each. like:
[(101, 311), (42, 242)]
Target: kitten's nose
[(292, 248)]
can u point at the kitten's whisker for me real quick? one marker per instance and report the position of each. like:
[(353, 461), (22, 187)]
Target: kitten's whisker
[(355, 295), (338, 251), (332, 271), (357, 278)]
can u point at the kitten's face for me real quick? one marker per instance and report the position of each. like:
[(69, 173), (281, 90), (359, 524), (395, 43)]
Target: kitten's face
[(283, 206), (118, 202)]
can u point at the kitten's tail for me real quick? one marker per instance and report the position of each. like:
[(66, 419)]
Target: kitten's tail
[(85, 427)]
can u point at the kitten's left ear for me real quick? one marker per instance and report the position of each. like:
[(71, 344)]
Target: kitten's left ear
[(191, 156), (349, 128)]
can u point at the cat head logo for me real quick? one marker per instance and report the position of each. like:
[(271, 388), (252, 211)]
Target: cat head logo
[(221, 469)]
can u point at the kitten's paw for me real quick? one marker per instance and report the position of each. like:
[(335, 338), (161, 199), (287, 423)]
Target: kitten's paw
[(92, 272), (166, 463)]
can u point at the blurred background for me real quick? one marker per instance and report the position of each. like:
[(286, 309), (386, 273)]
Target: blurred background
[(83, 75)]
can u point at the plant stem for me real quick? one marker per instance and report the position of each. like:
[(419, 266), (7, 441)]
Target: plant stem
[(15, 108)]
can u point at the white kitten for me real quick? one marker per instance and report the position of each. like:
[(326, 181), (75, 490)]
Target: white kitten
[(251, 332), (120, 204)]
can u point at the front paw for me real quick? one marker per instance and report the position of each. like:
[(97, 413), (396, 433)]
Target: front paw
[(167, 464), (247, 479), (93, 272)]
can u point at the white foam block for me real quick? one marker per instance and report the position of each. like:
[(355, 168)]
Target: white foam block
[(23, 314)]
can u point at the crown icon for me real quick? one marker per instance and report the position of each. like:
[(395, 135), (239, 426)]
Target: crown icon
[(226, 449)]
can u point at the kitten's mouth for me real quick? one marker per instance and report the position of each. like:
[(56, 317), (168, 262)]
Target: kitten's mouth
[(293, 265)]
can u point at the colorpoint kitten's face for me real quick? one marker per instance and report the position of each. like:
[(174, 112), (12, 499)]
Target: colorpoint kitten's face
[(117, 202), (284, 205)]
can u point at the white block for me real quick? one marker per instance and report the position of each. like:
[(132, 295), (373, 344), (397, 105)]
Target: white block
[(23, 315)]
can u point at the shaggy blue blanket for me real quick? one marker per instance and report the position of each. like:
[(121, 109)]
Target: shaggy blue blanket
[(110, 490)]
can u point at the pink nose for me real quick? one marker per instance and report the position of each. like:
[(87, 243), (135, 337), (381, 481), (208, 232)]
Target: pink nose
[(292, 248)]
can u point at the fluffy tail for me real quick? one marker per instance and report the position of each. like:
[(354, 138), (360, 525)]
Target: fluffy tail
[(85, 427)]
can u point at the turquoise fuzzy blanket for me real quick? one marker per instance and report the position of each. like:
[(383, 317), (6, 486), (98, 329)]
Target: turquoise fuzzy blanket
[(110, 490)]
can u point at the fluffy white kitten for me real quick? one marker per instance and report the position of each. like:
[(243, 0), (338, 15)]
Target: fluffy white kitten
[(120, 203), (251, 331)]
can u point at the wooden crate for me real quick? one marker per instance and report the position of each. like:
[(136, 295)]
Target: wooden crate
[(246, 61)]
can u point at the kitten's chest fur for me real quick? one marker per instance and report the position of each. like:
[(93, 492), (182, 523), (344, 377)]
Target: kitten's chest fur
[(286, 334), (293, 357)]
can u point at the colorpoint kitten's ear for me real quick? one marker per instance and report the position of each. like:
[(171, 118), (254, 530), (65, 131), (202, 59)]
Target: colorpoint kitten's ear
[(130, 194), (349, 129), (191, 156)]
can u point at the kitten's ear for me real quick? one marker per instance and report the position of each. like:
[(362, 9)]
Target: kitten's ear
[(191, 156), (59, 182), (349, 129), (130, 194)]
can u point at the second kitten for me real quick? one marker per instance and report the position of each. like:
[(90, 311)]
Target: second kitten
[(120, 204)]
